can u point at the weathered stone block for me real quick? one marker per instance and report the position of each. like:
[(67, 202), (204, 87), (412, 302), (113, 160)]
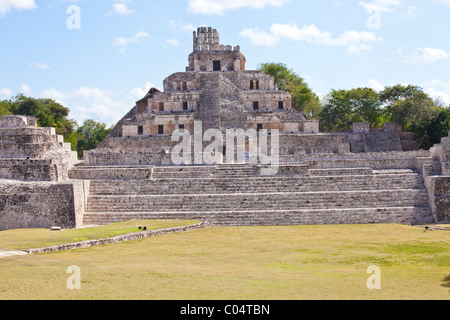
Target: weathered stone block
[(42, 205), (17, 121), (361, 127)]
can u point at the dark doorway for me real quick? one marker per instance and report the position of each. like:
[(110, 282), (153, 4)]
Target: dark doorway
[(160, 129), (216, 65)]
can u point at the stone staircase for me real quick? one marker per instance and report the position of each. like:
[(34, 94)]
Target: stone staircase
[(237, 195)]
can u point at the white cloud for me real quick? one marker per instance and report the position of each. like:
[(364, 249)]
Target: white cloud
[(25, 89), (354, 41), (426, 56), (412, 10), (380, 5), (5, 92), (173, 42), (121, 8), (445, 2), (39, 65), (375, 84), (7, 5), (438, 90), (91, 103), (121, 43), (220, 6), (259, 38), (139, 93), (102, 105), (181, 27)]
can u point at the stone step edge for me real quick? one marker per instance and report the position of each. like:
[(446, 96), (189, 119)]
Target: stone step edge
[(203, 195), (130, 213), (118, 239), (269, 177)]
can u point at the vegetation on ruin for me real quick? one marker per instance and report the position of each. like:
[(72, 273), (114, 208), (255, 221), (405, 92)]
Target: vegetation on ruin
[(407, 105), (303, 98), (249, 263)]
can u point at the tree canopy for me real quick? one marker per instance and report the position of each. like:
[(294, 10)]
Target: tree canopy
[(90, 134), (406, 105), (303, 98), (344, 107)]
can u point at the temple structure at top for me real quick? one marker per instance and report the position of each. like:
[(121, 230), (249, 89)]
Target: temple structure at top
[(217, 90)]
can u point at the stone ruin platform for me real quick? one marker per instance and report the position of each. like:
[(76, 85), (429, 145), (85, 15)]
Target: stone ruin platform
[(30, 153), (339, 189)]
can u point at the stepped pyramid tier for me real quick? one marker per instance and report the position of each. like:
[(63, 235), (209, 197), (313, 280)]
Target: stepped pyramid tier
[(30, 153), (217, 91), (35, 189)]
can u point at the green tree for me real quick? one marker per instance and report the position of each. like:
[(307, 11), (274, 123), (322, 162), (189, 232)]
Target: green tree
[(366, 106), (303, 98), (344, 107), (336, 114), (416, 112), (438, 127), (48, 113), (5, 108), (90, 134), (392, 94)]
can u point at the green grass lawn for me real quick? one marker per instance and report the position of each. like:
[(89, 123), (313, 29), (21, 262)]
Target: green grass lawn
[(37, 238), (298, 262)]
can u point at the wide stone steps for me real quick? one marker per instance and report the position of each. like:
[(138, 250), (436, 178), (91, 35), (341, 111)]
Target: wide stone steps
[(237, 170), (268, 201), (182, 172), (275, 217), (238, 195), (256, 184)]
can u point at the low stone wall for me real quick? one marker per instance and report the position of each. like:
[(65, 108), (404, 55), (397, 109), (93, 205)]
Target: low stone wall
[(95, 173), (118, 239), (42, 204)]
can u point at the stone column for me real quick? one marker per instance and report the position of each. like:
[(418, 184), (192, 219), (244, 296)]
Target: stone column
[(204, 44), (196, 44), (216, 40), (210, 38)]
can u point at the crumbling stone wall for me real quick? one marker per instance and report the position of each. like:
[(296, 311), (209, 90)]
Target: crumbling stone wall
[(389, 138), (42, 204)]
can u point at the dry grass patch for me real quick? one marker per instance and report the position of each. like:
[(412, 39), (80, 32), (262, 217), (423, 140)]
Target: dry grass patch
[(37, 238), (298, 262)]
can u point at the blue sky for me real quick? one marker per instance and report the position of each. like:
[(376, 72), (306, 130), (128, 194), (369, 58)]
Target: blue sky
[(97, 57)]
